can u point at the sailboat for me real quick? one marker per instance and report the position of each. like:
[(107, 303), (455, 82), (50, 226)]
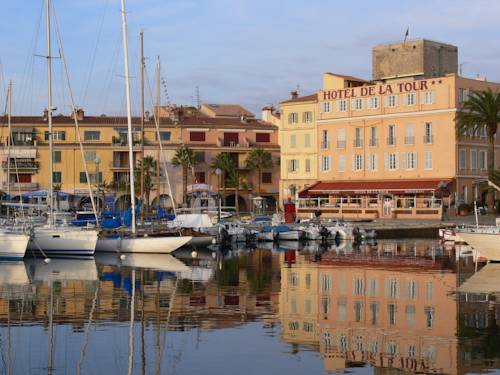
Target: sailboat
[(52, 239), (136, 242), (13, 243)]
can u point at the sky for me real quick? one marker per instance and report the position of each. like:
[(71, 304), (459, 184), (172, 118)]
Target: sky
[(251, 52)]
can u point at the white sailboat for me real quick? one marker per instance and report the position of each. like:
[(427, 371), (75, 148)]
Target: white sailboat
[(52, 239), (135, 243)]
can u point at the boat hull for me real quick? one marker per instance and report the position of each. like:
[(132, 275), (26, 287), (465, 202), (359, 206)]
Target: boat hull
[(13, 245), (486, 244), (265, 236), (147, 245), (64, 242), (292, 235)]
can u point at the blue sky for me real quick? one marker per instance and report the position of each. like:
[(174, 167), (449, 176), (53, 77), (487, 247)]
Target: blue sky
[(252, 52)]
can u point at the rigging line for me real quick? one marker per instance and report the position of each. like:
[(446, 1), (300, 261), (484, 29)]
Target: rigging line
[(75, 117), (87, 333), (2, 80), (108, 78), (162, 155), (93, 56)]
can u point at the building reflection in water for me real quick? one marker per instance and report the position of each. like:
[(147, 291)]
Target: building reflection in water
[(390, 305)]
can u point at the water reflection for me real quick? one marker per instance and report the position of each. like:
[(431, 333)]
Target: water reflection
[(387, 305)]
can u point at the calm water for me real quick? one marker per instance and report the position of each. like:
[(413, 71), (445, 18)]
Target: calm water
[(369, 308)]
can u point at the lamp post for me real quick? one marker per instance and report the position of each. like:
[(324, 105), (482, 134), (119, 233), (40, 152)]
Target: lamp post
[(97, 161), (218, 173)]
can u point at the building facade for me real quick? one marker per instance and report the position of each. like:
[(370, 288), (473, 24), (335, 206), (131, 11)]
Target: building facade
[(105, 154)]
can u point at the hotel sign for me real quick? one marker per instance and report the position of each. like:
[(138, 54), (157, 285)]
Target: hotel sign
[(389, 89)]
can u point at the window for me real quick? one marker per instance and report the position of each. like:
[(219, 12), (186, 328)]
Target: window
[(411, 351), (90, 156), (341, 163), (373, 287), (263, 137), (325, 304), (428, 160), (391, 139), (411, 160), (373, 136), (391, 311), (342, 105), (308, 281), (307, 327), (307, 306), (429, 291), (199, 177), (59, 135), (429, 316), (358, 104), (293, 141), (374, 312), (482, 160), (373, 162), (392, 161), (359, 286), (307, 140), (410, 315), (197, 136), (342, 309), (293, 118), (267, 177), (358, 139), (293, 279), (428, 138), (411, 290), (357, 162), (83, 178), (410, 135), (165, 136), (326, 107), (358, 311), (325, 140), (428, 97), (473, 159), (308, 165), (463, 95), (57, 156), (326, 283), (326, 163), (293, 165), (390, 101), (341, 138), (57, 177), (91, 135), (307, 116), (199, 156), (411, 98), (392, 288), (462, 159), (373, 102)]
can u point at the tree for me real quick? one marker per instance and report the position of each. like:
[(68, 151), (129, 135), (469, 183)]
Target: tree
[(223, 162), (150, 167), (235, 180), (482, 110), (259, 159), (185, 158)]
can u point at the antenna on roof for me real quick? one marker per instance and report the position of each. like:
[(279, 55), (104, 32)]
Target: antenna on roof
[(198, 99), (297, 88)]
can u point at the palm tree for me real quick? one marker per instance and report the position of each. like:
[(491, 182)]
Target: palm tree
[(223, 162), (185, 158), (259, 159), (235, 180), (149, 174), (482, 109)]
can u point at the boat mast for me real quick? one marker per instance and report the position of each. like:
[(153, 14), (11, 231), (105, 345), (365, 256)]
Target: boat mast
[(50, 198), (9, 139), (142, 126), (158, 119), (129, 114)]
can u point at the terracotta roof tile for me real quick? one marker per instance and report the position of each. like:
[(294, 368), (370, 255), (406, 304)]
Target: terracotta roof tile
[(307, 98)]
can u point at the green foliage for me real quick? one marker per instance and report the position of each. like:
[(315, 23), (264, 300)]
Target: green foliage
[(184, 157), (481, 109), (258, 158), (223, 162)]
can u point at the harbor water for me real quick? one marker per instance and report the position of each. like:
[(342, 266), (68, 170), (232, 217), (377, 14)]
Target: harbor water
[(284, 308)]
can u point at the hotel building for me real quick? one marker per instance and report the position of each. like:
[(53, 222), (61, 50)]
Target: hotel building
[(208, 131), (388, 147)]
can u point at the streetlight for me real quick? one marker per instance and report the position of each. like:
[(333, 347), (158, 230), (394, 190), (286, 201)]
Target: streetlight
[(97, 161), (218, 173)]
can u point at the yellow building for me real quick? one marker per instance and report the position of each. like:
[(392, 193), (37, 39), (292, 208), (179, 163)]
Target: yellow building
[(298, 142)]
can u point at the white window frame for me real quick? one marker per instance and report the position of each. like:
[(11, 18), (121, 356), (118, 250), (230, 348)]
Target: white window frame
[(373, 102), (483, 160), (358, 162), (462, 159), (326, 163), (293, 166), (308, 165), (474, 159), (391, 101), (307, 140), (342, 105), (325, 139), (357, 104), (428, 160), (411, 98), (373, 162), (411, 160), (427, 97), (293, 118), (341, 163), (326, 107), (391, 135), (307, 116)]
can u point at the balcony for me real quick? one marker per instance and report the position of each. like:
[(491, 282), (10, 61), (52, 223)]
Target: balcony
[(232, 144), (391, 141), (22, 166), (428, 139), (409, 140), (374, 142), (325, 145), (123, 141), (30, 186), (357, 143), (341, 144), (19, 152), (118, 166)]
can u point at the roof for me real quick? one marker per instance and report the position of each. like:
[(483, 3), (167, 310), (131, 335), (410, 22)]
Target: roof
[(485, 281), (225, 110), (373, 187), (348, 78), (306, 98)]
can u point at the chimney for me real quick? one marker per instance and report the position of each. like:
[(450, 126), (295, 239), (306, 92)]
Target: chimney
[(45, 116), (294, 95), (147, 116), (79, 114), (243, 118)]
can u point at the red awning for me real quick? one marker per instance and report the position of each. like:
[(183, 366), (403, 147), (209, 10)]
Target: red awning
[(374, 187)]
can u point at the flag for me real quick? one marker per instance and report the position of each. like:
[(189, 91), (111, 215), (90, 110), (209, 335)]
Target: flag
[(407, 33)]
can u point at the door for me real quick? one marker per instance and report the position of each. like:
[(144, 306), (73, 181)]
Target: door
[(387, 204)]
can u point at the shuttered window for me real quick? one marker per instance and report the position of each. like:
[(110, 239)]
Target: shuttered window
[(197, 136)]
